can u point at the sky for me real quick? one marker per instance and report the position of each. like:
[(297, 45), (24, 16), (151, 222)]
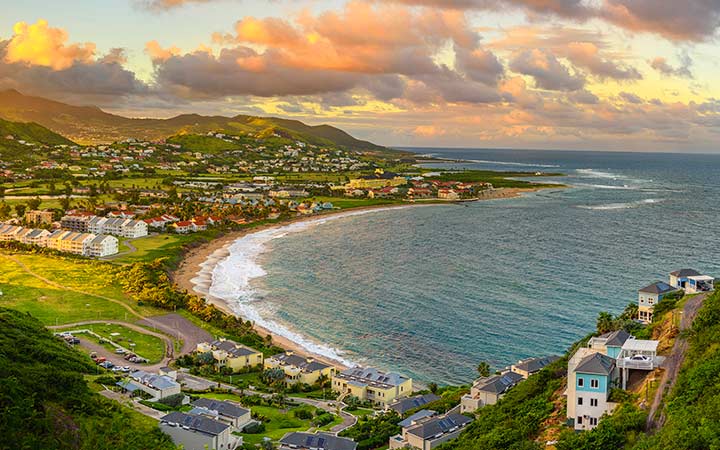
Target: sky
[(633, 75)]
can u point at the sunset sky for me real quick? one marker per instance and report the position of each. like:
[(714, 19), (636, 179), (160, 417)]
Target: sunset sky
[(570, 74)]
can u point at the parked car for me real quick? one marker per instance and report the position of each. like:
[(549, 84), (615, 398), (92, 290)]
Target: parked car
[(126, 369), (107, 365), (639, 358), (129, 356), (100, 360), (119, 351)]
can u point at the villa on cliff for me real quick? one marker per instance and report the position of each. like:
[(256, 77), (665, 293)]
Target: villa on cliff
[(299, 369), (372, 385), (689, 281), (426, 431)]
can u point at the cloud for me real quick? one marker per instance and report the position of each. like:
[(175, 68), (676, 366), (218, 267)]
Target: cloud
[(40, 45), (548, 72), (38, 60), (164, 5), (587, 54), (381, 50), (683, 70), (693, 20)]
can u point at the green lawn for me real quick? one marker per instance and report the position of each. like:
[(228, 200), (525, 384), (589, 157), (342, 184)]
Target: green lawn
[(360, 412), (280, 422), (147, 346), (349, 202), (161, 245), (54, 305)]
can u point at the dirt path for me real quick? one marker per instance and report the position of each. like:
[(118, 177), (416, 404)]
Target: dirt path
[(673, 363)]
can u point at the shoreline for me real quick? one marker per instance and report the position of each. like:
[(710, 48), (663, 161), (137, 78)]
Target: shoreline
[(194, 273)]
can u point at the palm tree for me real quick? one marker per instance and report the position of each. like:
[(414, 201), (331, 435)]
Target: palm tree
[(483, 369)]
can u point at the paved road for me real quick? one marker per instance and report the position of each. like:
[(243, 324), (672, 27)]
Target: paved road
[(139, 407), (673, 363), (176, 325)]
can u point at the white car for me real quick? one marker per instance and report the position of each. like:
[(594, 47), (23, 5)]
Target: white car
[(639, 358)]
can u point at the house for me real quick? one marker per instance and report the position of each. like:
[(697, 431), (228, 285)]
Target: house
[(430, 433), (488, 390), (379, 179), (530, 366), (591, 376), (230, 354), (649, 296), (224, 411), (102, 245), (299, 369), (373, 385), (403, 405), (448, 194), (197, 432), (691, 281), (183, 227), (419, 192), (417, 418), (315, 441), (610, 343), (39, 217), (158, 386), (76, 222), (33, 236)]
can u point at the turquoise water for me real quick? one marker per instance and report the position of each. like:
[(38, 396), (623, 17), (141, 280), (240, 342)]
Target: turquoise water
[(431, 291)]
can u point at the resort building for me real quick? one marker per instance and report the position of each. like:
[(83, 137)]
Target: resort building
[(530, 366), (85, 244), (691, 281), (315, 441), (230, 354), (197, 432), (488, 390), (76, 221), (118, 226), (591, 376), (33, 236), (379, 179), (224, 411), (158, 386), (102, 245), (426, 434), (372, 385), (299, 369), (649, 296), (36, 217), (403, 405)]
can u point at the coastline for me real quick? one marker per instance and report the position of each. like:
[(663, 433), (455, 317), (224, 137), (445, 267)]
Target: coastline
[(194, 272)]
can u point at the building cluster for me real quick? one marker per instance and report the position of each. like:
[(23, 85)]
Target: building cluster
[(689, 281), (84, 244), (84, 222), (372, 385)]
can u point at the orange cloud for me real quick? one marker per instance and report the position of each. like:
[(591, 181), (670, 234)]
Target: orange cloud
[(39, 44), (428, 131), (157, 53)]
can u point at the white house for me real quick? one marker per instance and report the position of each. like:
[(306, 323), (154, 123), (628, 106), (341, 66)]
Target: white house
[(649, 296), (159, 386), (102, 245), (591, 376)]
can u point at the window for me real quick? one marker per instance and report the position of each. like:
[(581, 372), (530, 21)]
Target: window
[(593, 421), (579, 420), (581, 382), (593, 402), (579, 400), (594, 384)]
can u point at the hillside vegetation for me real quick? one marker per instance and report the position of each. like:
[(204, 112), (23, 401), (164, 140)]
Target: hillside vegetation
[(46, 402), (91, 125)]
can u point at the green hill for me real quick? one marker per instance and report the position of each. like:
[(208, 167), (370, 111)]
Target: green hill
[(45, 402), (29, 132), (90, 125)]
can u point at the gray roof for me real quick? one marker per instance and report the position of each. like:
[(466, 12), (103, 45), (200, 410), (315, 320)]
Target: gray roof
[(499, 384), (422, 414), (685, 273), (404, 405), (597, 363), (319, 441), (617, 338), (440, 425), (233, 348), (532, 365), (224, 408), (659, 287), (371, 375), (304, 364), (196, 423), (154, 381)]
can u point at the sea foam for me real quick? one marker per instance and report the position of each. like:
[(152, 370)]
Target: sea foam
[(628, 205)]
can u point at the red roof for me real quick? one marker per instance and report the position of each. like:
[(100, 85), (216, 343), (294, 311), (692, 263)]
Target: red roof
[(184, 223)]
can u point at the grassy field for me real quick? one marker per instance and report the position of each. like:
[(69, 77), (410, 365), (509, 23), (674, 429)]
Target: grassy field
[(348, 202), (58, 303), (145, 345), (155, 246)]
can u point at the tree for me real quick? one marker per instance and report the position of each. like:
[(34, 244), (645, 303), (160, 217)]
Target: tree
[(433, 387), (483, 369), (65, 203), (20, 209), (2, 191), (605, 322), (34, 203), (5, 210)]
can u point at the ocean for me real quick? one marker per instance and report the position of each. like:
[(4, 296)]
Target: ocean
[(431, 291)]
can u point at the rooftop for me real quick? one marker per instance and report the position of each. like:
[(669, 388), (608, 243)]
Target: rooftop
[(640, 345), (533, 365), (199, 424), (681, 273), (422, 414), (498, 384), (372, 377), (597, 363), (319, 441), (438, 426), (404, 405), (659, 287), (224, 408)]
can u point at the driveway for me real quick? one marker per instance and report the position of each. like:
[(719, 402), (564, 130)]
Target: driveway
[(176, 325)]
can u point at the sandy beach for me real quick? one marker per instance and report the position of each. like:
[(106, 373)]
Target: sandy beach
[(194, 273)]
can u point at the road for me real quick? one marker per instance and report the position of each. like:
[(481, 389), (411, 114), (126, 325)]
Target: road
[(673, 362)]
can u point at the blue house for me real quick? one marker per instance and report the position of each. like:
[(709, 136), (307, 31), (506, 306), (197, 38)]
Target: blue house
[(591, 376), (610, 343), (649, 296)]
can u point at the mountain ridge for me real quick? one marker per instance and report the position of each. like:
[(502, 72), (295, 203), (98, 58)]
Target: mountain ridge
[(92, 125)]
